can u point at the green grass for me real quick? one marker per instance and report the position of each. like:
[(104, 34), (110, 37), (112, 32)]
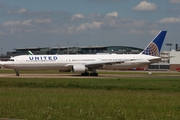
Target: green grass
[(90, 98)]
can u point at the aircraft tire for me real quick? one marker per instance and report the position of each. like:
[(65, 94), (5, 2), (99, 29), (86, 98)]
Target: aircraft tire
[(17, 72), (93, 74), (85, 74)]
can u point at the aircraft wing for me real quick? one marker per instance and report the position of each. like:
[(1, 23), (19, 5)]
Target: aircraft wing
[(101, 64), (98, 64)]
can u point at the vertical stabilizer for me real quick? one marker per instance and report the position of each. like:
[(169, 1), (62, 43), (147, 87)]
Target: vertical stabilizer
[(155, 45)]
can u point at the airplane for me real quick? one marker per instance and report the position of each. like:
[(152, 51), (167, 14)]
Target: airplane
[(84, 64)]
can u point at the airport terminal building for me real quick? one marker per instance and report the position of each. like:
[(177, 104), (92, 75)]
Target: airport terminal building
[(76, 50)]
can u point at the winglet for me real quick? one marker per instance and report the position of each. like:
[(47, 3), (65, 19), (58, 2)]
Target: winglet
[(30, 53), (155, 45)]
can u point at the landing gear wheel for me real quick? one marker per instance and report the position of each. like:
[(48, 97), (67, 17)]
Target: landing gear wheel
[(17, 72), (85, 74), (93, 74)]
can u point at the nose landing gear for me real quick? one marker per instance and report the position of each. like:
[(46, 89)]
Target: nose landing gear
[(17, 72)]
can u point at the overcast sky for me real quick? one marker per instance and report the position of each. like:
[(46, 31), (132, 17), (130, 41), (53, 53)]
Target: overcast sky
[(49, 23)]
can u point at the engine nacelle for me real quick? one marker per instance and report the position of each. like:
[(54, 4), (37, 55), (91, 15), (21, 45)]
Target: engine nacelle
[(78, 68)]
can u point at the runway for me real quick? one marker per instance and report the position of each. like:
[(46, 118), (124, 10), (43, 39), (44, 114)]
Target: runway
[(101, 75), (56, 76)]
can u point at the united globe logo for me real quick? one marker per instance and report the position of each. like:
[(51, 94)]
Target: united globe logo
[(152, 50)]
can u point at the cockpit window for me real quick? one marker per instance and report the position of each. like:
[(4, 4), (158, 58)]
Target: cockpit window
[(11, 60)]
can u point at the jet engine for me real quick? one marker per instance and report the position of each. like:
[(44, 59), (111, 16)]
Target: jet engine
[(78, 68)]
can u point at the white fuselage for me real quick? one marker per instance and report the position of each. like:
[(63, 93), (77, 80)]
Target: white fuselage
[(65, 62), (127, 65)]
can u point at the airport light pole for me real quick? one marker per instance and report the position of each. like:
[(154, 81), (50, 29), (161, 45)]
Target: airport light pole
[(68, 48), (169, 44), (1, 48), (58, 49), (1, 51), (77, 48)]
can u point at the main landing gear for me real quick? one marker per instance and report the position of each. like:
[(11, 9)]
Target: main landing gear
[(85, 74), (92, 73), (89, 74)]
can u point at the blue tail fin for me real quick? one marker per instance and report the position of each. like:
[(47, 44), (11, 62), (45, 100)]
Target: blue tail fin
[(155, 45)]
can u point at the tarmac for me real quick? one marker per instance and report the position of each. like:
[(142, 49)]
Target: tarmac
[(55, 76), (101, 75)]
